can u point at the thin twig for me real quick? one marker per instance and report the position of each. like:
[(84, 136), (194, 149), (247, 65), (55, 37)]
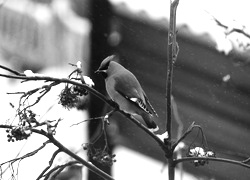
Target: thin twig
[(189, 130), (26, 155), (12, 71), (241, 31), (247, 160), (212, 159), (44, 90), (90, 119)]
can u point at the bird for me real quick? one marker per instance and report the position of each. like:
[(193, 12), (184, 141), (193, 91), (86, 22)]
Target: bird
[(123, 88)]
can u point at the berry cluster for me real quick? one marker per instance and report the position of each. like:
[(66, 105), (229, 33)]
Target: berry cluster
[(18, 133), (100, 156), (80, 91), (27, 119), (70, 96), (104, 158)]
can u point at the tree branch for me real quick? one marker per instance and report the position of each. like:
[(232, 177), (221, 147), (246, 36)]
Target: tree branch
[(12, 71), (145, 129), (172, 56)]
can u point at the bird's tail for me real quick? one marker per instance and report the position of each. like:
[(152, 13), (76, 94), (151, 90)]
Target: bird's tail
[(149, 122)]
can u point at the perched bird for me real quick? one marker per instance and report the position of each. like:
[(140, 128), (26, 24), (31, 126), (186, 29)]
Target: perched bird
[(123, 88)]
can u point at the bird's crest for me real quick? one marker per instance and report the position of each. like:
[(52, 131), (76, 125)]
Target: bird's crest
[(105, 63)]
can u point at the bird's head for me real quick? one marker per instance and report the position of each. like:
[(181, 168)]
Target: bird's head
[(107, 66)]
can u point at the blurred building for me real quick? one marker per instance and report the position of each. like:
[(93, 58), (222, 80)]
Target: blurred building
[(43, 33)]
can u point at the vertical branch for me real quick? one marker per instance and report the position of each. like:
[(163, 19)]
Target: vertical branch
[(172, 56)]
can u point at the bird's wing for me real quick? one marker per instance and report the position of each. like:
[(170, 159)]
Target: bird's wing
[(129, 87), (149, 104)]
